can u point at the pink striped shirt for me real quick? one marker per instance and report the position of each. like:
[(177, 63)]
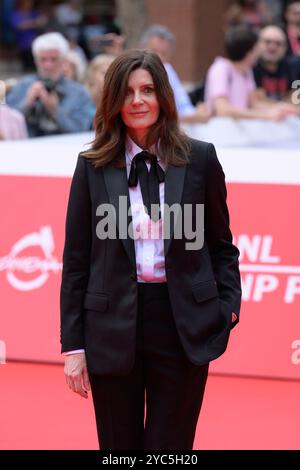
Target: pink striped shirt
[(12, 124)]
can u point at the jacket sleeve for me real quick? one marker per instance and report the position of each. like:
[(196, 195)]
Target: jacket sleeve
[(75, 112), (76, 260), (16, 98), (224, 254)]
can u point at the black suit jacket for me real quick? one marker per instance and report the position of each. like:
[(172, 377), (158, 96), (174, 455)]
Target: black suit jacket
[(99, 282)]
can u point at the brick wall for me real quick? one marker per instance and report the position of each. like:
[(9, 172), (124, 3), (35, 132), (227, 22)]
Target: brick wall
[(198, 27)]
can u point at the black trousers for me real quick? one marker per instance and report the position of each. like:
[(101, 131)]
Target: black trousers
[(162, 378)]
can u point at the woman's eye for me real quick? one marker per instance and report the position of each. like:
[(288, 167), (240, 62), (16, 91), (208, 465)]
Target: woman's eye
[(148, 89)]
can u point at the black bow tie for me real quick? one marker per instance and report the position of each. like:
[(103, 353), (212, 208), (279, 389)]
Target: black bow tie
[(149, 181)]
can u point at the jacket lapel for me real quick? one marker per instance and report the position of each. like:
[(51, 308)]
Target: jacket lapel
[(174, 180), (116, 185)]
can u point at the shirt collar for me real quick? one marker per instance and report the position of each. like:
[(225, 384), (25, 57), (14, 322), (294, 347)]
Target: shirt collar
[(132, 149)]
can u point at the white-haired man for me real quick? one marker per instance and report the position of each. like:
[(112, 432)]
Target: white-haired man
[(50, 103)]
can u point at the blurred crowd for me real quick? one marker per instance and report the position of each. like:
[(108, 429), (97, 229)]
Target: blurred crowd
[(65, 57)]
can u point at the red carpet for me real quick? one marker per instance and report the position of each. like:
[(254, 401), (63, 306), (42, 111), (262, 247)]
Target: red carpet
[(39, 412)]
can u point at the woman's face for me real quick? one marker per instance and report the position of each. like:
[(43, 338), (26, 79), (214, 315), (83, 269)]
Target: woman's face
[(70, 71), (141, 108), (100, 72)]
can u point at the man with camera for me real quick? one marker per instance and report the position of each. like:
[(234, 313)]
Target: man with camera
[(50, 103)]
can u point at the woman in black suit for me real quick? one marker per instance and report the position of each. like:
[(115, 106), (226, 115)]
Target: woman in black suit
[(149, 295)]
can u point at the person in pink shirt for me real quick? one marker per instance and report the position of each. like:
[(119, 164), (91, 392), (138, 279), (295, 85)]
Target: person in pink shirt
[(12, 124), (230, 88)]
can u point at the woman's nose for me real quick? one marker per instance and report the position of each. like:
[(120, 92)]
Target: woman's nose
[(137, 98)]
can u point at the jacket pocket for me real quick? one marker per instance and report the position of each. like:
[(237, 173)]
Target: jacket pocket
[(95, 302), (205, 290)]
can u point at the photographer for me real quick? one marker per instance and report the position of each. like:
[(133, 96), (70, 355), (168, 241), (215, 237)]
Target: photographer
[(50, 103)]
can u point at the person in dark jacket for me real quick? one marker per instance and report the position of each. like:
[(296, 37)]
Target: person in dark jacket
[(149, 294)]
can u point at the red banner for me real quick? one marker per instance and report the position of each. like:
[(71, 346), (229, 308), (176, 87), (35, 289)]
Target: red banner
[(33, 213), (265, 221), (266, 226)]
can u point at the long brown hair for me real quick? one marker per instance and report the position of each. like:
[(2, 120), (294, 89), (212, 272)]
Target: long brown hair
[(109, 143)]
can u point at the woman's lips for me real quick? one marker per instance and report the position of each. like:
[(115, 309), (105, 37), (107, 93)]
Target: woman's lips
[(139, 113)]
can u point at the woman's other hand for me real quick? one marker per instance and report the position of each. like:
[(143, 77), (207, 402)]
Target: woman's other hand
[(76, 374)]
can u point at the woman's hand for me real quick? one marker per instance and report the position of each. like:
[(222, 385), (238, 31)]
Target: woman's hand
[(76, 373)]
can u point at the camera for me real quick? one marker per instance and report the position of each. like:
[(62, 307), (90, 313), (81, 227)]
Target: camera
[(48, 84), (38, 119)]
